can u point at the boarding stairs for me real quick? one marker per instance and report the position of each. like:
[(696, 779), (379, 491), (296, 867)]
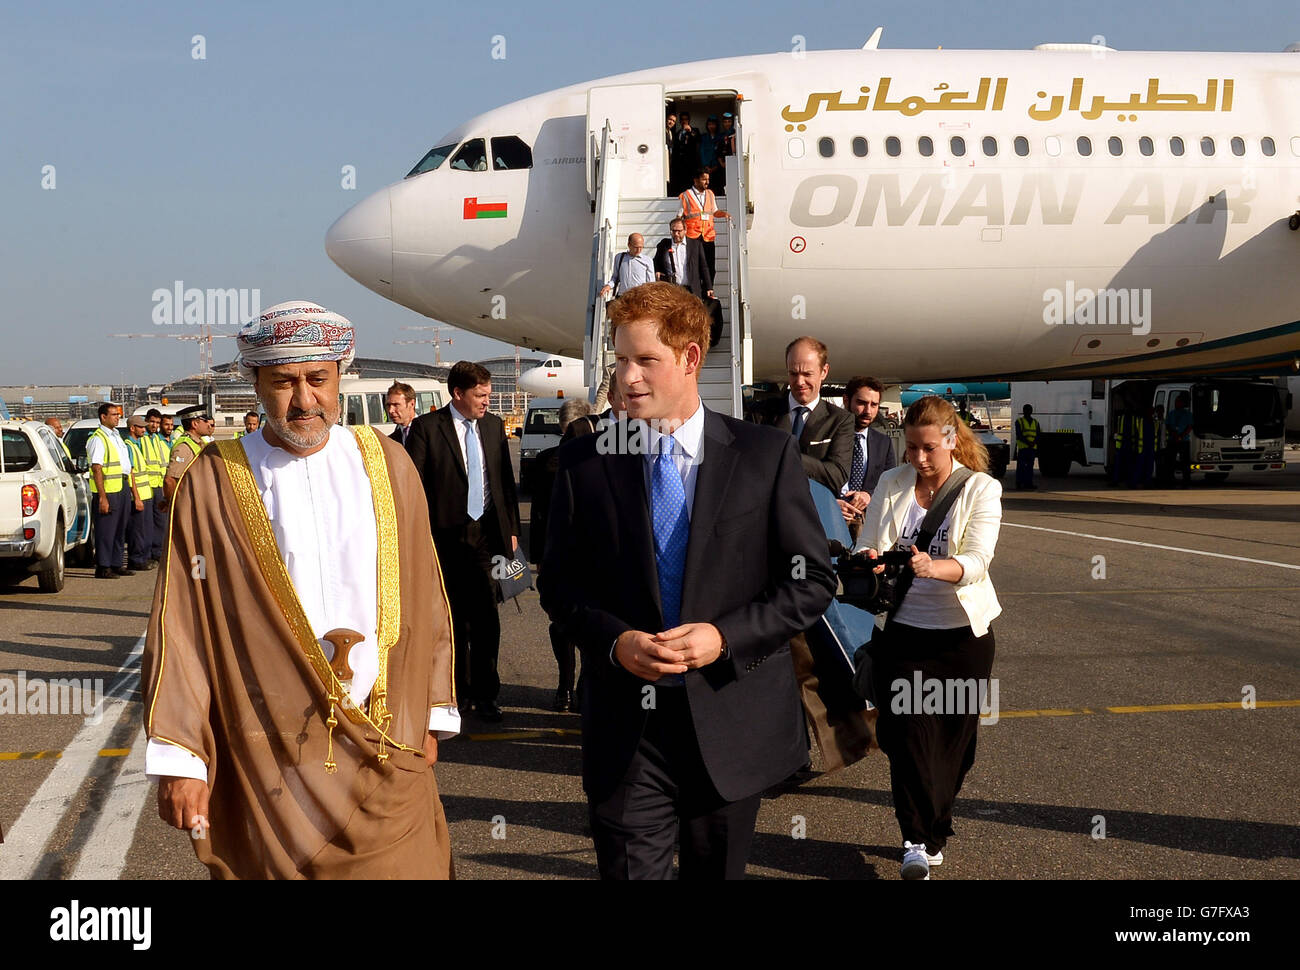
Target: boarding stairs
[(618, 214)]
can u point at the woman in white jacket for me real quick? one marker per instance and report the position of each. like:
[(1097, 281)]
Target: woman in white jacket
[(940, 631)]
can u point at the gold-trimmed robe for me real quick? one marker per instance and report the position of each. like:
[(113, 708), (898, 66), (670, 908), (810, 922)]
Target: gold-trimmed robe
[(229, 680)]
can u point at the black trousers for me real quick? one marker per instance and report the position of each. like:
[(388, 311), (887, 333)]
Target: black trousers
[(466, 555), (666, 796), (929, 754), (139, 535), (160, 523), (565, 656), (710, 254), (110, 526)]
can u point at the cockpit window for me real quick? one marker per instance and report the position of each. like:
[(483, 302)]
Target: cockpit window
[(472, 157), (432, 160), (511, 152)]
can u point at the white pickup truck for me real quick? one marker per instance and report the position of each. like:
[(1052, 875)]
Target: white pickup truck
[(44, 505)]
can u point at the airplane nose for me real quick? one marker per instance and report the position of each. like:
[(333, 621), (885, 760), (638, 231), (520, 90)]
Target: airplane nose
[(361, 243)]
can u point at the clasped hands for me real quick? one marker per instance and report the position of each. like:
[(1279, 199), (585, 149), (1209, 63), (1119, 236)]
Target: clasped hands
[(686, 647)]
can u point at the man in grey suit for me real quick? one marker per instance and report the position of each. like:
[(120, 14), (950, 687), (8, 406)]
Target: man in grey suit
[(873, 451), (824, 431)]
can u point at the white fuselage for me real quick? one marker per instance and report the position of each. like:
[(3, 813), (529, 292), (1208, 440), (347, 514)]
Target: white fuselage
[(913, 266)]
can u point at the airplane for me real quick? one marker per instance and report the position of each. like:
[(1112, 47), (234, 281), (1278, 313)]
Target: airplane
[(555, 377), (1066, 211)]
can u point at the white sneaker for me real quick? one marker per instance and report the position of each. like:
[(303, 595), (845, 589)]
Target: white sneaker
[(916, 862)]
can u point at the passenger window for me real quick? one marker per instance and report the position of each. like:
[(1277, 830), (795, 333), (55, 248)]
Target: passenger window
[(375, 405), (893, 147), (1052, 145), (510, 152), (1295, 145), (1267, 147), (1175, 146), (1115, 145), (355, 410), (1238, 146), (1146, 146), (16, 451), (925, 145), (423, 402), (1021, 145), (794, 147), (52, 446), (957, 145), (990, 145), (1207, 146), (1084, 144), (826, 147), (472, 157), (434, 158), (860, 147)]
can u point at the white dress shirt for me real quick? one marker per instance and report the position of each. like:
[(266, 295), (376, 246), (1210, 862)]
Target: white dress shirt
[(466, 432), (320, 508), (811, 406), (95, 448)]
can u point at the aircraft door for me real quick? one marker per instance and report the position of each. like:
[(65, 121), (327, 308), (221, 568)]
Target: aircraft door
[(635, 113)]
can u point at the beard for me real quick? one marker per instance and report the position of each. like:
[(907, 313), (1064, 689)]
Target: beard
[(286, 432)]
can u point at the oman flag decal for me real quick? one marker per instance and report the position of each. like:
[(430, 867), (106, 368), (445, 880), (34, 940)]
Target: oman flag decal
[(476, 208)]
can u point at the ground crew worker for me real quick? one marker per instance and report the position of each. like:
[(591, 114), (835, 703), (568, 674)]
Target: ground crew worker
[(699, 208), (1026, 447), (1145, 454), (1179, 425), (1129, 439), (964, 413), (153, 422), (195, 424), (167, 430), (139, 525), (112, 486), (251, 423), (1164, 471)]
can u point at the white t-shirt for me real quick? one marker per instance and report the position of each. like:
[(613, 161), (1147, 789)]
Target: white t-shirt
[(930, 604)]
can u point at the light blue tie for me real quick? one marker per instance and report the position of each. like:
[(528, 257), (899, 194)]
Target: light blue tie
[(672, 530), (474, 471)]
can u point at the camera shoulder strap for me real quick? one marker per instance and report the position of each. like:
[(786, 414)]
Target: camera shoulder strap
[(939, 508)]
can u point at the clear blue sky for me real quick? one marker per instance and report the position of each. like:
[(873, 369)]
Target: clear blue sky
[(225, 172)]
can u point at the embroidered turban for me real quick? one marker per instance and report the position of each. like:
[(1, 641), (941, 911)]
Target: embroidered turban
[(294, 332)]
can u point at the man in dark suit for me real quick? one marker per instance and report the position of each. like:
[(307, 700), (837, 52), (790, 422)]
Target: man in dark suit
[(689, 707), (873, 451), (681, 260), (400, 405), (462, 455), (824, 431)]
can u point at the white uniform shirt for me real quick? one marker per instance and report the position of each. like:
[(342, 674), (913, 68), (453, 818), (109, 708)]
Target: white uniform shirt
[(95, 448), (320, 509)]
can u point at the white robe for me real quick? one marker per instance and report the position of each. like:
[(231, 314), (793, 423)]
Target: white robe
[(322, 512)]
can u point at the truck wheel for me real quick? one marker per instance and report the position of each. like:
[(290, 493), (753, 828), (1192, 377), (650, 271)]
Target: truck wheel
[(1215, 478), (1054, 466), (50, 574)]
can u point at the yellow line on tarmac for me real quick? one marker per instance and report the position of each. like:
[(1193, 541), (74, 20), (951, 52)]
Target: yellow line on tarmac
[(524, 735), (43, 755), (1146, 709)]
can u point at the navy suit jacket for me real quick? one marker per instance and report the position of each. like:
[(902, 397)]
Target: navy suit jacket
[(757, 568)]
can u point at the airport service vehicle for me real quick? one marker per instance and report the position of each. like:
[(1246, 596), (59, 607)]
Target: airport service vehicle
[(541, 431), (925, 213), (44, 505), (362, 400), (1237, 425), (77, 434)]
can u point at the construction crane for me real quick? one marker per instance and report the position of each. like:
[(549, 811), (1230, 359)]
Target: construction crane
[(204, 337), (437, 341)]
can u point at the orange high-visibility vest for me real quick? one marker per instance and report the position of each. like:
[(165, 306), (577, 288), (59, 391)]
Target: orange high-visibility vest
[(699, 222)]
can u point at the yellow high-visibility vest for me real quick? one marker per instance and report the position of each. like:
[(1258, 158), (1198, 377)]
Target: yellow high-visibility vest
[(141, 466), (1026, 432), (153, 459), (112, 465)]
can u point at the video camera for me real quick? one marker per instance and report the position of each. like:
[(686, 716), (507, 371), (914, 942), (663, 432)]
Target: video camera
[(862, 586)]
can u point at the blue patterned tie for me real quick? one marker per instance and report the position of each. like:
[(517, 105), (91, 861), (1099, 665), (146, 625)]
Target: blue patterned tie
[(474, 471), (796, 428), (859, 469), (672, 529)]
